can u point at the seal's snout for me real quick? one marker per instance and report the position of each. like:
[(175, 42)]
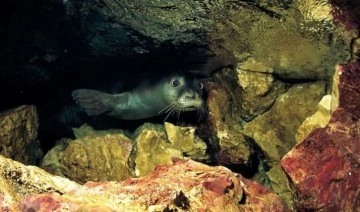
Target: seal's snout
[(190, 94)]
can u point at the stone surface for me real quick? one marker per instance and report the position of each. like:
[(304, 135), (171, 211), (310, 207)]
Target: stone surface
[(258, 92), (278, 126), (274, 131), (279, 184), (98, 155), (185, 140), (307, 48), (18, 181), (349, 91), (182, 186), (318, 120), (233, 145), (153, 149), (324, 168), (97, 158), (19, 134), (51, 161)]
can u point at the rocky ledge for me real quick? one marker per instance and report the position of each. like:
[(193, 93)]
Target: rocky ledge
[(183, 186)]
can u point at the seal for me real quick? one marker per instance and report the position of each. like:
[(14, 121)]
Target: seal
[(170, 95)]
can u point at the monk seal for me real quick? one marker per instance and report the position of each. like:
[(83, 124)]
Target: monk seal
[(173, 94)]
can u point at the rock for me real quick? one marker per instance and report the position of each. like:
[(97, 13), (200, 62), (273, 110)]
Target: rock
[(153, 148), (309, 46), (279, 183), (51, 161), (318, 120), (19, 134), (355, 49), (274, 131), (18, 181), (83, 159), (87, 130), (234, 148), (349, 91), (324, 168), (278, 126), (258, 92), (97, 158), (185, 140), (181, 186)]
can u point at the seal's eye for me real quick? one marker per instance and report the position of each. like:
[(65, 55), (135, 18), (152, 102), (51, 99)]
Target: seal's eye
[(201, 86), (175, 82)]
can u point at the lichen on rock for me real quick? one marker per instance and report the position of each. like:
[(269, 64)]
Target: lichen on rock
[(97, 157), (158, 145), (19, 134), (233, 146)]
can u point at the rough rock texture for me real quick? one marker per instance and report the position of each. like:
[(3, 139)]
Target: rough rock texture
[(152, 149), (324, 169), (94, 155), (318, 120), (296, 42), (182, 186), (157, 146), (274, 131), (97, 158), (98, 155), (258, 92), (19, 134), (233, 145), (278, 126), (51, 161), (18, 181), (185, 140)]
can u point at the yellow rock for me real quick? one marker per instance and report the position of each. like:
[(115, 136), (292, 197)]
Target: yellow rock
[(153, 149), (97, 158), (185, 140), (318, 120)]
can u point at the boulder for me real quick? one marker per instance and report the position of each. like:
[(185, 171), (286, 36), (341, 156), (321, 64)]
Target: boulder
[(324, 168), (19, 134)]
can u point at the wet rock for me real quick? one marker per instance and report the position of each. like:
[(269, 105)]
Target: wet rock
[(324, 168), (97, 158), (233, 146), (87, 130), (156, 145), (258, 92), (152, 149), (18, 181), (278, 183), (251, 93), (98, 155), (185, 140), (318, 120), (299, 42), (349, 91), (274, 131), (181, 186), (51, 161), (19, 134)]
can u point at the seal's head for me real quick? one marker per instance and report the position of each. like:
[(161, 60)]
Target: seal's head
[(183, 93)]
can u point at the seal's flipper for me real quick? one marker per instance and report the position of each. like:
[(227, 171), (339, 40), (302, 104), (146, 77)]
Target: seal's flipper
[(92, 101)]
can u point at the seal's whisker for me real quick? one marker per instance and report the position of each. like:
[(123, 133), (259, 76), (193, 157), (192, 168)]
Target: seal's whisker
[(166, 107), (167, 116), (170, 108), (178, 110), (169, 111)]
